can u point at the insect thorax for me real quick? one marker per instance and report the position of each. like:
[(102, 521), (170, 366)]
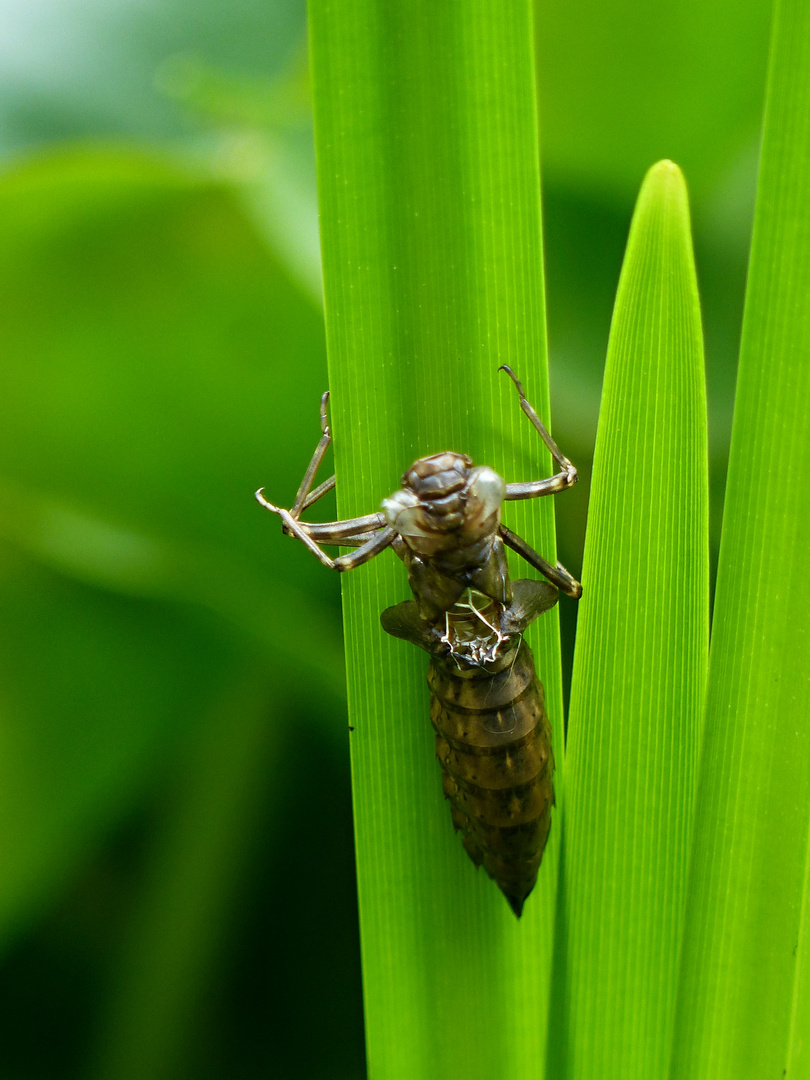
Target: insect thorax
[(445, 504)]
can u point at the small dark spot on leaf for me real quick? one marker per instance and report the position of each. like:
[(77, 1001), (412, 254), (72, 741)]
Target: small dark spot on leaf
[(351, 728)]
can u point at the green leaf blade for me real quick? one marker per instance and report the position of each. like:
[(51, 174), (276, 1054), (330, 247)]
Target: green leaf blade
[(743, 1004), (641, 658), (426, 138)]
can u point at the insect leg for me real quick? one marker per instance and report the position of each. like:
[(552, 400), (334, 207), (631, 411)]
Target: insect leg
[(557, 575), (335, 532), (341, 537), (302, 498), (378, 542), (565, 478), (349, 533), (368, 545), (328, 532), (318, 493)]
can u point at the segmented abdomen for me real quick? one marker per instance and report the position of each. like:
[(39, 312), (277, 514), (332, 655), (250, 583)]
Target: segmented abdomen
[(493, 740)]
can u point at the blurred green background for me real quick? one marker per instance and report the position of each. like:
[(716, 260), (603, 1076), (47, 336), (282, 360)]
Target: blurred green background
[(177, 883)]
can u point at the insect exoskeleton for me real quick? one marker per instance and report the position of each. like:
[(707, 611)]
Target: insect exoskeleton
[(493, 737)]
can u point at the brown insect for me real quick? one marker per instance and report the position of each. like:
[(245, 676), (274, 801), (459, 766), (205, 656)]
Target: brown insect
[(493, 738)]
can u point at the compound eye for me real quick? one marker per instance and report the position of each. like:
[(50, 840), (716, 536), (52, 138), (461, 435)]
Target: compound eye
[(396, 505), (488, 489)]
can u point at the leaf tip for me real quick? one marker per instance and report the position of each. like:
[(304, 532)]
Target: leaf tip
[(665, 167), (664, 184)]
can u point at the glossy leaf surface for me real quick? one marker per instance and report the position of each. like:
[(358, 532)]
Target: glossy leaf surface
[(640, 662), (743, 1002), (426, 138)]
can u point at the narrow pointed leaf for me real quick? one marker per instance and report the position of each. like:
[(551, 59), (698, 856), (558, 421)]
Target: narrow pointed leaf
[(743, 1006), (641, 659), (426, 137)]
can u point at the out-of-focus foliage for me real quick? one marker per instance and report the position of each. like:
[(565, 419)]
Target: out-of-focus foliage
[(162, 356), (157, 361), (92, 68)]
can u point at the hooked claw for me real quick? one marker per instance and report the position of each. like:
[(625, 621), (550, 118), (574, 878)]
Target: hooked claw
[(515, 380), (259, 497), (285, 528)]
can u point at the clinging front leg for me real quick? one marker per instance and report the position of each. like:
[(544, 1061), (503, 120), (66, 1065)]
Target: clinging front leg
[(369, 534), (565, 478), (304, 499), (349, 533)]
